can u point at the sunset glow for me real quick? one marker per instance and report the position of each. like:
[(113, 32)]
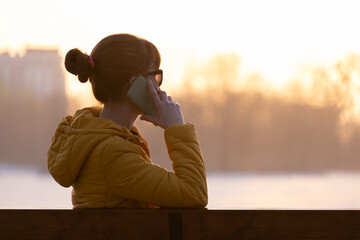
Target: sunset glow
[(275, 40)]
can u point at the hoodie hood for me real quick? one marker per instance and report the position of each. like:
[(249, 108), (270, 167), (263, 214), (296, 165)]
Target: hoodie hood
[(75, 138)]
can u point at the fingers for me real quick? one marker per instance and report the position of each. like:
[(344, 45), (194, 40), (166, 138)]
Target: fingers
[(172, 101), (153, 93), (157, 94), (162, 95)]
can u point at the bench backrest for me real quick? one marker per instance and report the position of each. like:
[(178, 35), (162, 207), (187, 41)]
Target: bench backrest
[(179, 224)]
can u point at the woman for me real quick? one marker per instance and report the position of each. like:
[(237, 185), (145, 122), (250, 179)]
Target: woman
[(103, 156)]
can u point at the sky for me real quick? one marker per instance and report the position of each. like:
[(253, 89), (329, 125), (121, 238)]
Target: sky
[(275, 38)]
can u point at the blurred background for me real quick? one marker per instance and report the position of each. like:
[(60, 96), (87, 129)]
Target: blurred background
[(272, 86)]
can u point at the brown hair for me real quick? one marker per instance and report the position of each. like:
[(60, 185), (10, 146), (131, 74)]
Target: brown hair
[(116, 59)]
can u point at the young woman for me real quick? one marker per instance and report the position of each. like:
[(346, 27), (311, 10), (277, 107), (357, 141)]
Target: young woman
[(102, 155)]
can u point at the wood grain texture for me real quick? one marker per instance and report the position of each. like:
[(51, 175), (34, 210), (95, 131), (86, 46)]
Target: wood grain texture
[(194, 223)]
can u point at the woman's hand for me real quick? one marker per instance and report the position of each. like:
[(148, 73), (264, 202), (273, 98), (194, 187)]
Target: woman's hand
[(168, 112)]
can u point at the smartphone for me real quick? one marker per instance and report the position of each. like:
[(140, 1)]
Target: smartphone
[(139, 94)]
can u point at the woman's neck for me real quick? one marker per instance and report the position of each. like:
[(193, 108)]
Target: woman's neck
[(122, 113)]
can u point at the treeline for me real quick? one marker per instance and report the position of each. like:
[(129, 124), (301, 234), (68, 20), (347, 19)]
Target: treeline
[(243, 123), (256, 128)]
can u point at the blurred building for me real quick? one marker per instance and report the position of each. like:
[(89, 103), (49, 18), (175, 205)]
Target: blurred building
[(38, 71), (32, 101)]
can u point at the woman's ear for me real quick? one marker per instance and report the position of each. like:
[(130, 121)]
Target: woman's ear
[(132, 80), (128, 85)]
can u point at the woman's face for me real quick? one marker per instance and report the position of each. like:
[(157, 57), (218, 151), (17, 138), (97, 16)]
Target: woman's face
[(152, 78), (148, 77), (154, 82)]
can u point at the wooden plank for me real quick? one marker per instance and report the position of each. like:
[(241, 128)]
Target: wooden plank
[(83, 224), (179, 224), (272, 224)]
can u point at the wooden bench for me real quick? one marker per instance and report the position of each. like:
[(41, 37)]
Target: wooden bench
[(179, 224)]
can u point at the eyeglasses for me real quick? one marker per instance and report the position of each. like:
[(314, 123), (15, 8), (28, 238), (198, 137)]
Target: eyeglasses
[(158, 74)]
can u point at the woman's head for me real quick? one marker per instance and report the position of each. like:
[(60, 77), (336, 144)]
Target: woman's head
[(114, 61)]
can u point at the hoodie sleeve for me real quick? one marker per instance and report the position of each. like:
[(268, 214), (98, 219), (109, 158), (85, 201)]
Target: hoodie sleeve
[(131, 177)]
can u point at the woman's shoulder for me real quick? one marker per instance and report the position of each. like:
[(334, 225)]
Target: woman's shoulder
[(119, 145), (118, 150)]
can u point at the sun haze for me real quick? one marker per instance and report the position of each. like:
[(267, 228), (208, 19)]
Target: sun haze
[(272, 38)]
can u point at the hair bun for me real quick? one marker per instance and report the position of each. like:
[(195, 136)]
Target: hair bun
[(78, 63)]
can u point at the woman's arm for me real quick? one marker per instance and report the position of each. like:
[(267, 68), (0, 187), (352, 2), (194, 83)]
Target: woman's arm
[(130, 176)]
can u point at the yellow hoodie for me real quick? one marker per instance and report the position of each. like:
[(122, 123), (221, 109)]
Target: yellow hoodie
[(109, 166)]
